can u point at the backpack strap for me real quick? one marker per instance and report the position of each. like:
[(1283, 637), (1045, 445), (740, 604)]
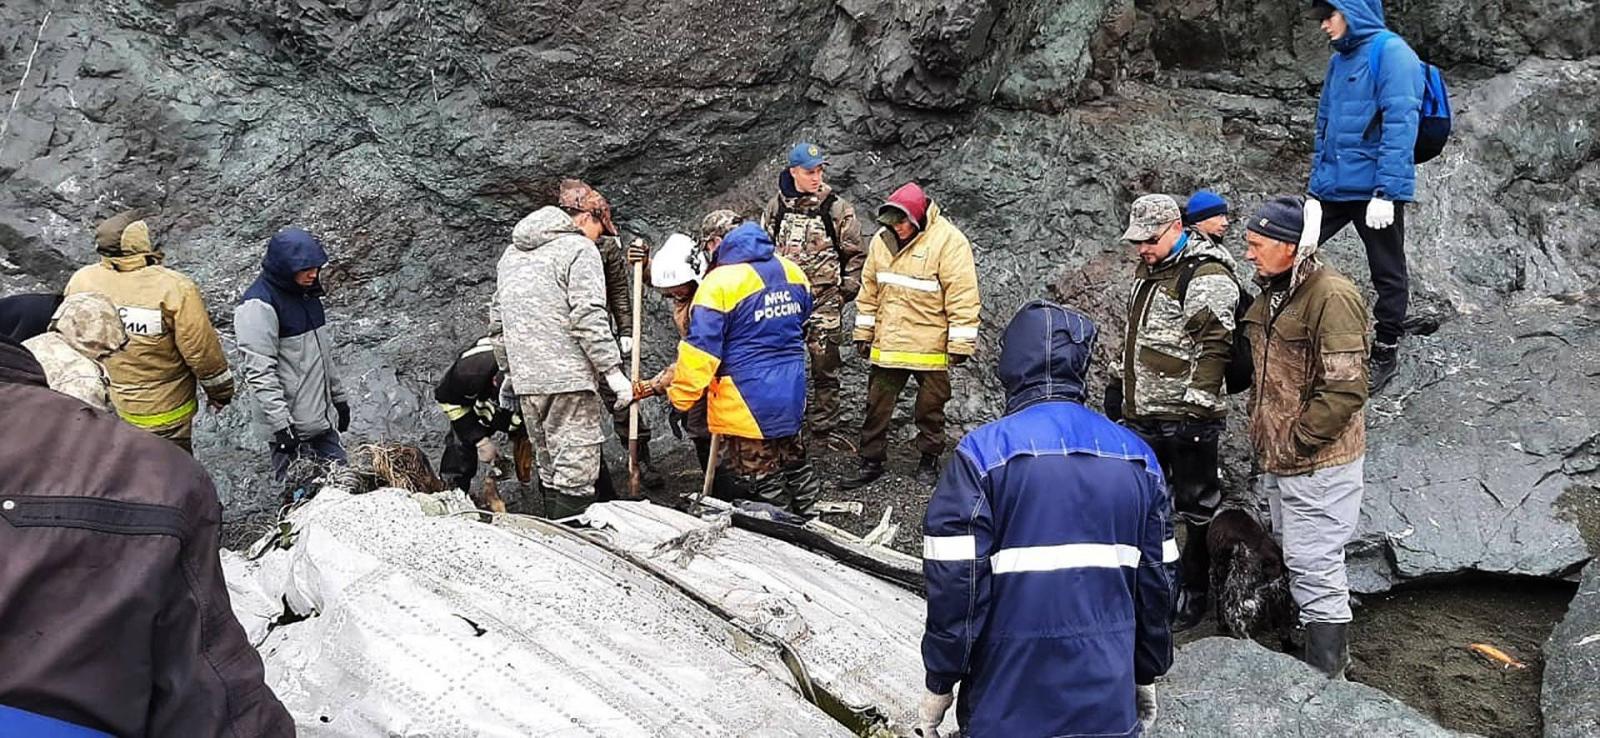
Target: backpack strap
[(1375, 55), (1187, 270)]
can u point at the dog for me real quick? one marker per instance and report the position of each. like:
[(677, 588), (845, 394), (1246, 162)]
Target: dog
[(1248, 578)]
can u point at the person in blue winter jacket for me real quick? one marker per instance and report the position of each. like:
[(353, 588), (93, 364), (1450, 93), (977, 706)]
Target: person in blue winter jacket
[(1363, 169), (1044, 553)]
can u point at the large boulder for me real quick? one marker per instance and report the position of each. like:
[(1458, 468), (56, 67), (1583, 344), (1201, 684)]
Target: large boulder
[(1235, 688), (1571, 697)]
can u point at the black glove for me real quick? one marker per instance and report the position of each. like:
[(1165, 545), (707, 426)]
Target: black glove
[(676, 422), (1112, 406), (284, 442), (501, 422), (343, 409), (958, 359), (864, 349)]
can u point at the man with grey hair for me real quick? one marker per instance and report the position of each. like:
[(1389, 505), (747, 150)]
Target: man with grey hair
[(551, 300), (1308, 334), (1169, 384)]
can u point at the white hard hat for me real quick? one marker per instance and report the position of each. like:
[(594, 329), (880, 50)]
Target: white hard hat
[(679, 262)]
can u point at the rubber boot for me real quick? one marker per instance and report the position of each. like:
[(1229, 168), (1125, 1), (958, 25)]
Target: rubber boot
[(804, 489), (1192, 607), (768, 488), (649, 476), (558, 506), (1328, 648), (604, 490), (1381, 367), (928, 470), (868, 473)]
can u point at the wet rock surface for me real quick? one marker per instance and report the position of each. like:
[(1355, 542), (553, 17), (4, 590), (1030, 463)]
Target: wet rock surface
[(1571, 697), (1227, 687)]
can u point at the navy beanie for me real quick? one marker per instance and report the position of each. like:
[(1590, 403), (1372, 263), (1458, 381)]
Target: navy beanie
[(1202, 205), (1281, 218)]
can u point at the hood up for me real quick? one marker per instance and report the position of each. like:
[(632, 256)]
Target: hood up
[(747, 243), (543, 226), (1044, 355), (1365, 18), (293, 250), (90, 323)]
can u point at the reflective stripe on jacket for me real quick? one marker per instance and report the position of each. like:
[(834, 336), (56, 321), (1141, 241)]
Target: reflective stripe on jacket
[(921, 304), (746, 343)]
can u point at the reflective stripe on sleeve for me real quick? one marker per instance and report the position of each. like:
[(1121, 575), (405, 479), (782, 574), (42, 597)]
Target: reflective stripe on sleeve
[(949, 548)]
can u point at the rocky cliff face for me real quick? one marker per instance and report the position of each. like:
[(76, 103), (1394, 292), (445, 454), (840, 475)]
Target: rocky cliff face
[(412, 135)]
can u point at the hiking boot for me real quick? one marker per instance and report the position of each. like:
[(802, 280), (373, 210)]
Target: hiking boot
[(1381, 367), (868, 473), (928, 470), (1328, 648), (1192, 607)]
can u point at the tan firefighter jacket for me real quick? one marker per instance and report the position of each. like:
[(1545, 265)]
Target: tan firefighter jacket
[(920, 304)]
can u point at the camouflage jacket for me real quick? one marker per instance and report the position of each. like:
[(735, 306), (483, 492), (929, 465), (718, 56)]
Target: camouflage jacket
[(803, 239), (1175, 352), (1309, 339)]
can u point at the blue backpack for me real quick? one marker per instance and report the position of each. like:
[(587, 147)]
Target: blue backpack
[(1433, 128)]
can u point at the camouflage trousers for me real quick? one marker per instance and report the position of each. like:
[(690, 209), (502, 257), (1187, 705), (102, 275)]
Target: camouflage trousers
[(567, 439), (822, 345), (774, 470)]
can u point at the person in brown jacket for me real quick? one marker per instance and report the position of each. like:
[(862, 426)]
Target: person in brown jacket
[(172, 346), (1308, 334), (114, 615)]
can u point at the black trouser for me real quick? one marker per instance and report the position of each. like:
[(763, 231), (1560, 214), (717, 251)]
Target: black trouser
[(1386, 259), (1188, 456), (459, 464)]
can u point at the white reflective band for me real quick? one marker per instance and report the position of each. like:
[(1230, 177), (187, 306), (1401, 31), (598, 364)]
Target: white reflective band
[(949, 548), (477, 349), (866, 321), (963, 333), (910, 283), (223, 379), (1169, 551), (1064, 556)]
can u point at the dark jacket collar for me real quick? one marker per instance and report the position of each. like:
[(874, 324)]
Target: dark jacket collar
[(17, 365)]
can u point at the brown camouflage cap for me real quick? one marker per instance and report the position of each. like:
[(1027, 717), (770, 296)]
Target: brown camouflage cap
[(577, 196), (1150, 215), (719, 223)]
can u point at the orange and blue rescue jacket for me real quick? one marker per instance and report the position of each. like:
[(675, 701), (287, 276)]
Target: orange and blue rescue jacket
[(746, 344)]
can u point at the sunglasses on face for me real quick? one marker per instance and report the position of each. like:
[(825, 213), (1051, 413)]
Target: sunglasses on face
[(1151, 241)]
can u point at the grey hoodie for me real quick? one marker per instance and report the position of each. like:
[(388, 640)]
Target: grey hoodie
[(551, 301)]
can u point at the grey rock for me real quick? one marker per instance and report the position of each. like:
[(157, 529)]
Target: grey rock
[(1235, 688), (1570, 699)]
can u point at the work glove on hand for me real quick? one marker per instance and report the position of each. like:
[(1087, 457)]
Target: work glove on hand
[(676, 421), (343, 409), (508, 395), (284, 442), (638, 251), (864, 349), (1311, 231), (1144, 697), (931, 712), (643, 389), (487, 451), (1380, 213), (619, 385), (627, 345), (958, 359)]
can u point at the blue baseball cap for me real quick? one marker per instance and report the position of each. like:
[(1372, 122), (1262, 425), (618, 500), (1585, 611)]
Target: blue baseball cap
[(806, 156)]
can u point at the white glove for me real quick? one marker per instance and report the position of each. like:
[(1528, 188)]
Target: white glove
[(1144, 697), (1380, 213), (487, 451), (621, 387), (931, 712), (508, 394), (627, 345), (1311, 229)]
